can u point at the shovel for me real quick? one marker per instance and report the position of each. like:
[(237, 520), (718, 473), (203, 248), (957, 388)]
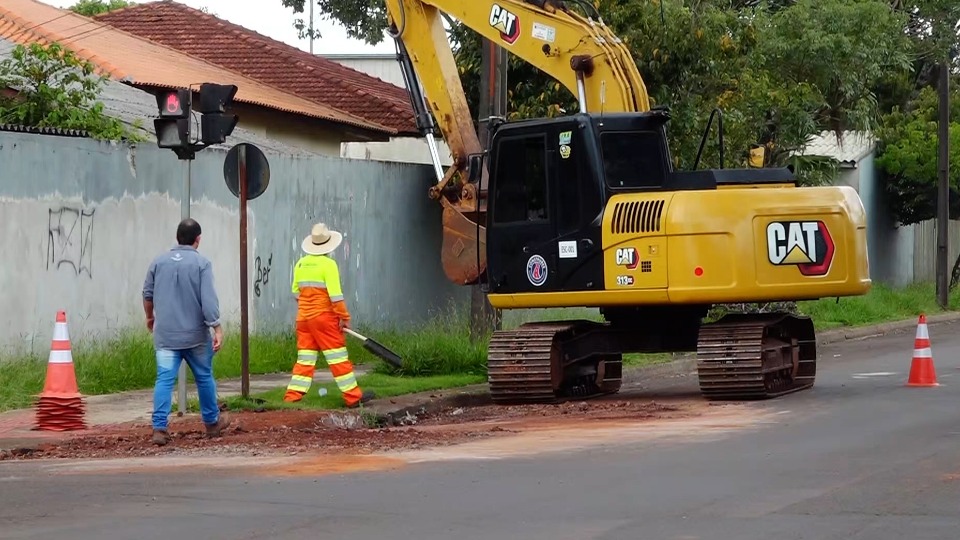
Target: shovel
[(377, 349)]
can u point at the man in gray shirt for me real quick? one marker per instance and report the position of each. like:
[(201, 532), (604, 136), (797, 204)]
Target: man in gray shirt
[(181, 305)]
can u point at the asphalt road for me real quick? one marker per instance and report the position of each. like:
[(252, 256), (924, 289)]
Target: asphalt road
[(860, 457)]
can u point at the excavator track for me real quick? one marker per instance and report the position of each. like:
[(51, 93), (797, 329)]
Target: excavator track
[(526, 366), (762, 356)]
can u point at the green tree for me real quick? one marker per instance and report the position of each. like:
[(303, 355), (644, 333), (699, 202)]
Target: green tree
[(907, 143), (908, 156), (55, 88), (90, 8)]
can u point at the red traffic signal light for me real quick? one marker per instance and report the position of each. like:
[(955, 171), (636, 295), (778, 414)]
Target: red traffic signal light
[(174, 103)]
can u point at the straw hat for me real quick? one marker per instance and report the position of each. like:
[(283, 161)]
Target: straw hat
[(321, 240)]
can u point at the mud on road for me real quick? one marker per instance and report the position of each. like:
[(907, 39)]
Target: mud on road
[(291, 432)]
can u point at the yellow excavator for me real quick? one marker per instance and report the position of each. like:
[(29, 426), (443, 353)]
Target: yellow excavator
[(587, 210)]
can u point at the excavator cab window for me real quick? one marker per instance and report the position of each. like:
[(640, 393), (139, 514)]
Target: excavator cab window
[(520, 194), (633, 159)]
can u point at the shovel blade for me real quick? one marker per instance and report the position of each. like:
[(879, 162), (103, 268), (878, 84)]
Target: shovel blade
[(383, 352)]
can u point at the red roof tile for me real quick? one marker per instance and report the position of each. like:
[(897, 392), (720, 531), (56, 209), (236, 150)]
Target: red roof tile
[(125, 56), (275, 63)]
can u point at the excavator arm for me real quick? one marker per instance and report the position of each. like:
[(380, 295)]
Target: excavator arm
[(578, 51)]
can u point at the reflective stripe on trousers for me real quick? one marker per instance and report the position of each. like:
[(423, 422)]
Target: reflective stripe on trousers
[(322, 335)]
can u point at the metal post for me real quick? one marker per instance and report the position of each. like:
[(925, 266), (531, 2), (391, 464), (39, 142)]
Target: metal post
[(311, 25), (943, 195), (244, 335), (182, 376)]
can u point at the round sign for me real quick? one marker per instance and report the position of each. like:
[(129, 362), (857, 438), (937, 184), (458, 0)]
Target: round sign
[(256, 167), (537, 270)]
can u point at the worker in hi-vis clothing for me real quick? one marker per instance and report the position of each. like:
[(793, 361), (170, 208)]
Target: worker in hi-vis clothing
[(321, 316)]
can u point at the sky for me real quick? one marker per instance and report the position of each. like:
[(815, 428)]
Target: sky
[(271, 19)]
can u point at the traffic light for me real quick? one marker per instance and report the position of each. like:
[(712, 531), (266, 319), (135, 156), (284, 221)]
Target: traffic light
[(173, 125), (215, 124)]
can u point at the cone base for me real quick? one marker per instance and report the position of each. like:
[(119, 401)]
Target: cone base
[(922, 373), (60, 414)]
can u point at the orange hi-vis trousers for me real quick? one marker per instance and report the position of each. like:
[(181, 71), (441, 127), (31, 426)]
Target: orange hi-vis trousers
[(322, 334)]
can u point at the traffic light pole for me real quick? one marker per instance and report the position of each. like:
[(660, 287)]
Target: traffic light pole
[(173, 130), (184, 214)]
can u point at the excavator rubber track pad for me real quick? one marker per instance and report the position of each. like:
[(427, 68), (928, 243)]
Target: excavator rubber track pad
[(522, 363), (755, 357)]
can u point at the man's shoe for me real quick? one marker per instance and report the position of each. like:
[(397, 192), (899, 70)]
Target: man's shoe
[(160, 437), (367, 396), (215, 430)]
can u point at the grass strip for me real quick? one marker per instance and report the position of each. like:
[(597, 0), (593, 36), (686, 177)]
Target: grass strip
[(125, 360)]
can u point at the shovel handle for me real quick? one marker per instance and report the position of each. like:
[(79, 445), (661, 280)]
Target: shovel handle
[(354, 334)]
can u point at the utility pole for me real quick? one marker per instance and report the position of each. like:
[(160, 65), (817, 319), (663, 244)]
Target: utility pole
[(493, 102), (311, 25), (943, 192)]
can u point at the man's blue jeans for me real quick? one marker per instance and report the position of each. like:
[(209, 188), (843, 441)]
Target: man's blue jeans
[(200, 361)]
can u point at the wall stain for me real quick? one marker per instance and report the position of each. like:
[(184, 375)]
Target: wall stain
[(70, 239), (263, 273)]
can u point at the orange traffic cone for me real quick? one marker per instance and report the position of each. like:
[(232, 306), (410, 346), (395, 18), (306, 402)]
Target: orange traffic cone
[(60, 407), (922, 372)]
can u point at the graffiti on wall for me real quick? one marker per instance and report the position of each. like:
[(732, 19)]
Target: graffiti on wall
[(70, 240), (263, 273)]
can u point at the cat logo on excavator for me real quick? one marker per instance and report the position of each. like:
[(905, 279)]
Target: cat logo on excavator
[(506, 22), (804, 244)]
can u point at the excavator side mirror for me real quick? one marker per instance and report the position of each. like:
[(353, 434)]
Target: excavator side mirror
[(474, 167)]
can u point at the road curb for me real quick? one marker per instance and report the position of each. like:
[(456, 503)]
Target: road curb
[(466, 396), (846, 334)]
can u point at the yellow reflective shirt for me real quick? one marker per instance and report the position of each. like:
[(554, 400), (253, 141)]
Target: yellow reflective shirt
[(316, 284)]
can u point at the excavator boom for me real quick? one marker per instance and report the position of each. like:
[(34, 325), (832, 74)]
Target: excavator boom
[(578, 51)]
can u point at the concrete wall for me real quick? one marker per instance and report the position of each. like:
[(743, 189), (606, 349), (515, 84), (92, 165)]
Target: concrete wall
[(82, 220), (890, 248)]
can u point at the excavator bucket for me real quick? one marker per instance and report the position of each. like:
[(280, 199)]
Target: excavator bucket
[(464, 260)]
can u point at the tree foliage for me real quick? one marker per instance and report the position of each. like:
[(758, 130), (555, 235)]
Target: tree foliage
[(90, 8), (909, 155), (908, 141), (55, 88)]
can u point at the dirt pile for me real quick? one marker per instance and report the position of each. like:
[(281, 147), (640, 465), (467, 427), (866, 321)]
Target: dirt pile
[(289, 432)]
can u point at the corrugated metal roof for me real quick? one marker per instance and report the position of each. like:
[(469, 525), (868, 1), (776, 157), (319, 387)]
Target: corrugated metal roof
[(851, 148), (129, 104)]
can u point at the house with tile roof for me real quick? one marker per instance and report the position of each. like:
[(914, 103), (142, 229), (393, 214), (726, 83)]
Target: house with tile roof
[(310, 77), (133, 106), (264, 110)]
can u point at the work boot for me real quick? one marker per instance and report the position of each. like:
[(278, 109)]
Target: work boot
[(160, 437), (367, 396), (215, 430)]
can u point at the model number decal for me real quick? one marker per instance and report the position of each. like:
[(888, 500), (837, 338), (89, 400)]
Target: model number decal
[(506, 22), (624, 281)]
